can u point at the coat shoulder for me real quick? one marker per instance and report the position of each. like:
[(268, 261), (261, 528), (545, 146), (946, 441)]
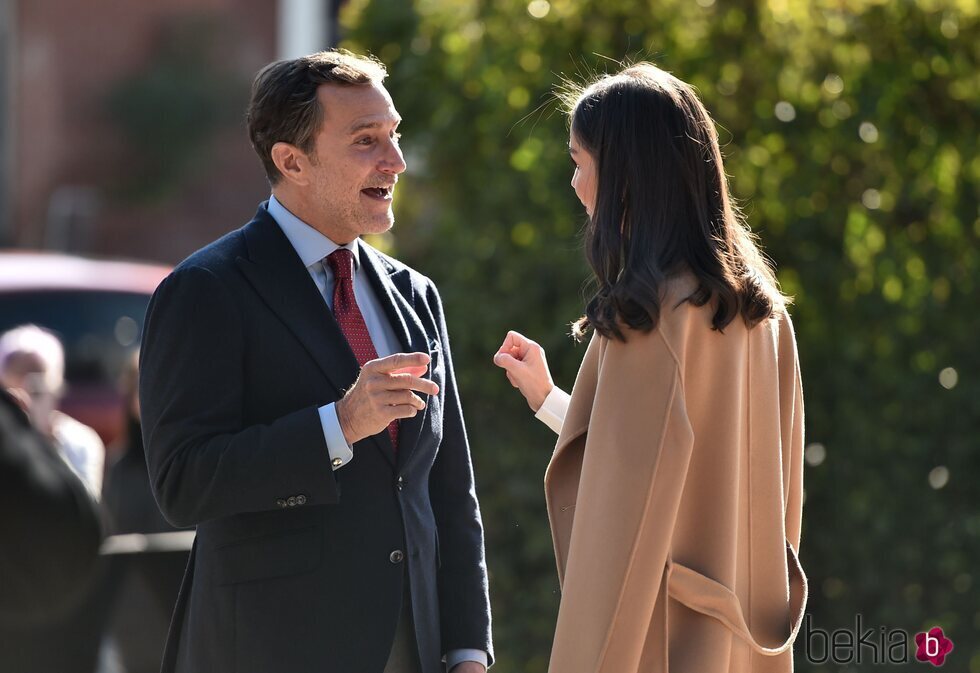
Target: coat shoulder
[(218, 257)]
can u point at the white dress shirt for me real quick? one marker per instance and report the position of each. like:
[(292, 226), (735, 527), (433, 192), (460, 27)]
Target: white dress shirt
[(313, 248)]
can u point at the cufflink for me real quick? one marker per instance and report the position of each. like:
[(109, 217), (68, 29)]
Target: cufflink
[(337, 462)]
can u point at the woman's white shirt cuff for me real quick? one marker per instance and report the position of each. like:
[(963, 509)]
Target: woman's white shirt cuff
[(552, 412)]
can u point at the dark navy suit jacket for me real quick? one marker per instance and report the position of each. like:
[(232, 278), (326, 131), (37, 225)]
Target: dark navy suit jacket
[(297, 567)]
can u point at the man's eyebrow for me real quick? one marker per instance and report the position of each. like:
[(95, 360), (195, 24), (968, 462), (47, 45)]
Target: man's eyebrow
[(367, 124)]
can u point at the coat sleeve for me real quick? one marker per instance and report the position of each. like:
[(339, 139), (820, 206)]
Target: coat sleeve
[(635, 463), (204, 462), (464, 602)]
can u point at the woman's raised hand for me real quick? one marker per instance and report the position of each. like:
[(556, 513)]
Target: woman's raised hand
[(526, 366)]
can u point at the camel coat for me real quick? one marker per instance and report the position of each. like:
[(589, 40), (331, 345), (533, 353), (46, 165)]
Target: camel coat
[(675, 499)]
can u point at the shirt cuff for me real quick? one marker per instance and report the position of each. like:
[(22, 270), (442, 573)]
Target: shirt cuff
[(552, 412), (456, 657), (340, 451)]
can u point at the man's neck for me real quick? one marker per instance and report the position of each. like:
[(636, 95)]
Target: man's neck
[(300, 207)]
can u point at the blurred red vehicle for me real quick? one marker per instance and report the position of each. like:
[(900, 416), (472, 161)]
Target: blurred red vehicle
[(96, 307)]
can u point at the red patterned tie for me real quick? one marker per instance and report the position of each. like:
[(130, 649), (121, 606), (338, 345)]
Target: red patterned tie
[(349, 316)]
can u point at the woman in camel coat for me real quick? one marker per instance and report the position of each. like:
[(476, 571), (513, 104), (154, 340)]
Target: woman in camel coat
[(675, 490)]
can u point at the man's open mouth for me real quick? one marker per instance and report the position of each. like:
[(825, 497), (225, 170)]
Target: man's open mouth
[(380, 193)]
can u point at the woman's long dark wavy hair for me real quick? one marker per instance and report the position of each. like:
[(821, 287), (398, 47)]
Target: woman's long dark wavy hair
[(662, 206)]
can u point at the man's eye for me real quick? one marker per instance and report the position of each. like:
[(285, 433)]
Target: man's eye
[(366, 140)]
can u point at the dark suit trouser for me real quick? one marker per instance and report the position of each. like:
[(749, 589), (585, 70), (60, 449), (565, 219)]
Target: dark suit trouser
[(404, 657)]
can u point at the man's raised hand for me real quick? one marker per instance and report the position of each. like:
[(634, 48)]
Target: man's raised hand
[(384, 392)]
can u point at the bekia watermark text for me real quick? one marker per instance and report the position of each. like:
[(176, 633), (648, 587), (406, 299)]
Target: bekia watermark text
[(870, 645)]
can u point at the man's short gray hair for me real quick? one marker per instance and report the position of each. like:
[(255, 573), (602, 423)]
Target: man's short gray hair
[(21, 344)]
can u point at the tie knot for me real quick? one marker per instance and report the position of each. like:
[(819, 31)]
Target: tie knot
[(341, 262)]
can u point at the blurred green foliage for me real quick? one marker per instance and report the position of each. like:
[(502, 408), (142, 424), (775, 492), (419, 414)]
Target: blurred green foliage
[(849, 129)]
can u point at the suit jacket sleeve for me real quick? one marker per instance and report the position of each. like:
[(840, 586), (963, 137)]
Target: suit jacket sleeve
[(203, 461), (49, 525), (464, 602), (634, 468)]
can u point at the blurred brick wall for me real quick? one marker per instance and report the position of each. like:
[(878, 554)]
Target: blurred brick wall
[(68, 57)]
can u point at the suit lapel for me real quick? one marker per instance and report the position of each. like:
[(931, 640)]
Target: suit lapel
[(379, 271), (279, 277), (277, 274), (394, 290)]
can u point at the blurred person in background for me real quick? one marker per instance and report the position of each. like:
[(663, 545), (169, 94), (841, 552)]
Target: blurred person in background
[(49, 541), (127, 496), (679, 464), (32, 360), (148, 583)]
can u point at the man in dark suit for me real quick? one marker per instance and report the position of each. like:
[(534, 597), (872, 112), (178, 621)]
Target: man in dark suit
[(300, 408)]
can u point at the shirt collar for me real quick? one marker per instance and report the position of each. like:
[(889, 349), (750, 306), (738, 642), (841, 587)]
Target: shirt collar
[(311, 246)]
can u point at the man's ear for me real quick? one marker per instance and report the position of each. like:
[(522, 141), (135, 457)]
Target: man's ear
[(292, 163)]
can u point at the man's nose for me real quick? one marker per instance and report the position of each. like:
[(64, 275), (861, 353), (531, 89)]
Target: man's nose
[(394, 161)]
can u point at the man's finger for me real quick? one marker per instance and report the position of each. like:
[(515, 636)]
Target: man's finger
[(397, 398), (409, 382), (412, 371), (403, 411), (397, 361)]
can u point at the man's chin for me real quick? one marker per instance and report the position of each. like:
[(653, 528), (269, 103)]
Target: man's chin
[(377, 225)]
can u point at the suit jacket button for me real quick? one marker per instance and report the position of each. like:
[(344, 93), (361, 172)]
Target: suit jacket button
[(400, 484), (397, 556), (291, 501), (300, 499), (280, 503)]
